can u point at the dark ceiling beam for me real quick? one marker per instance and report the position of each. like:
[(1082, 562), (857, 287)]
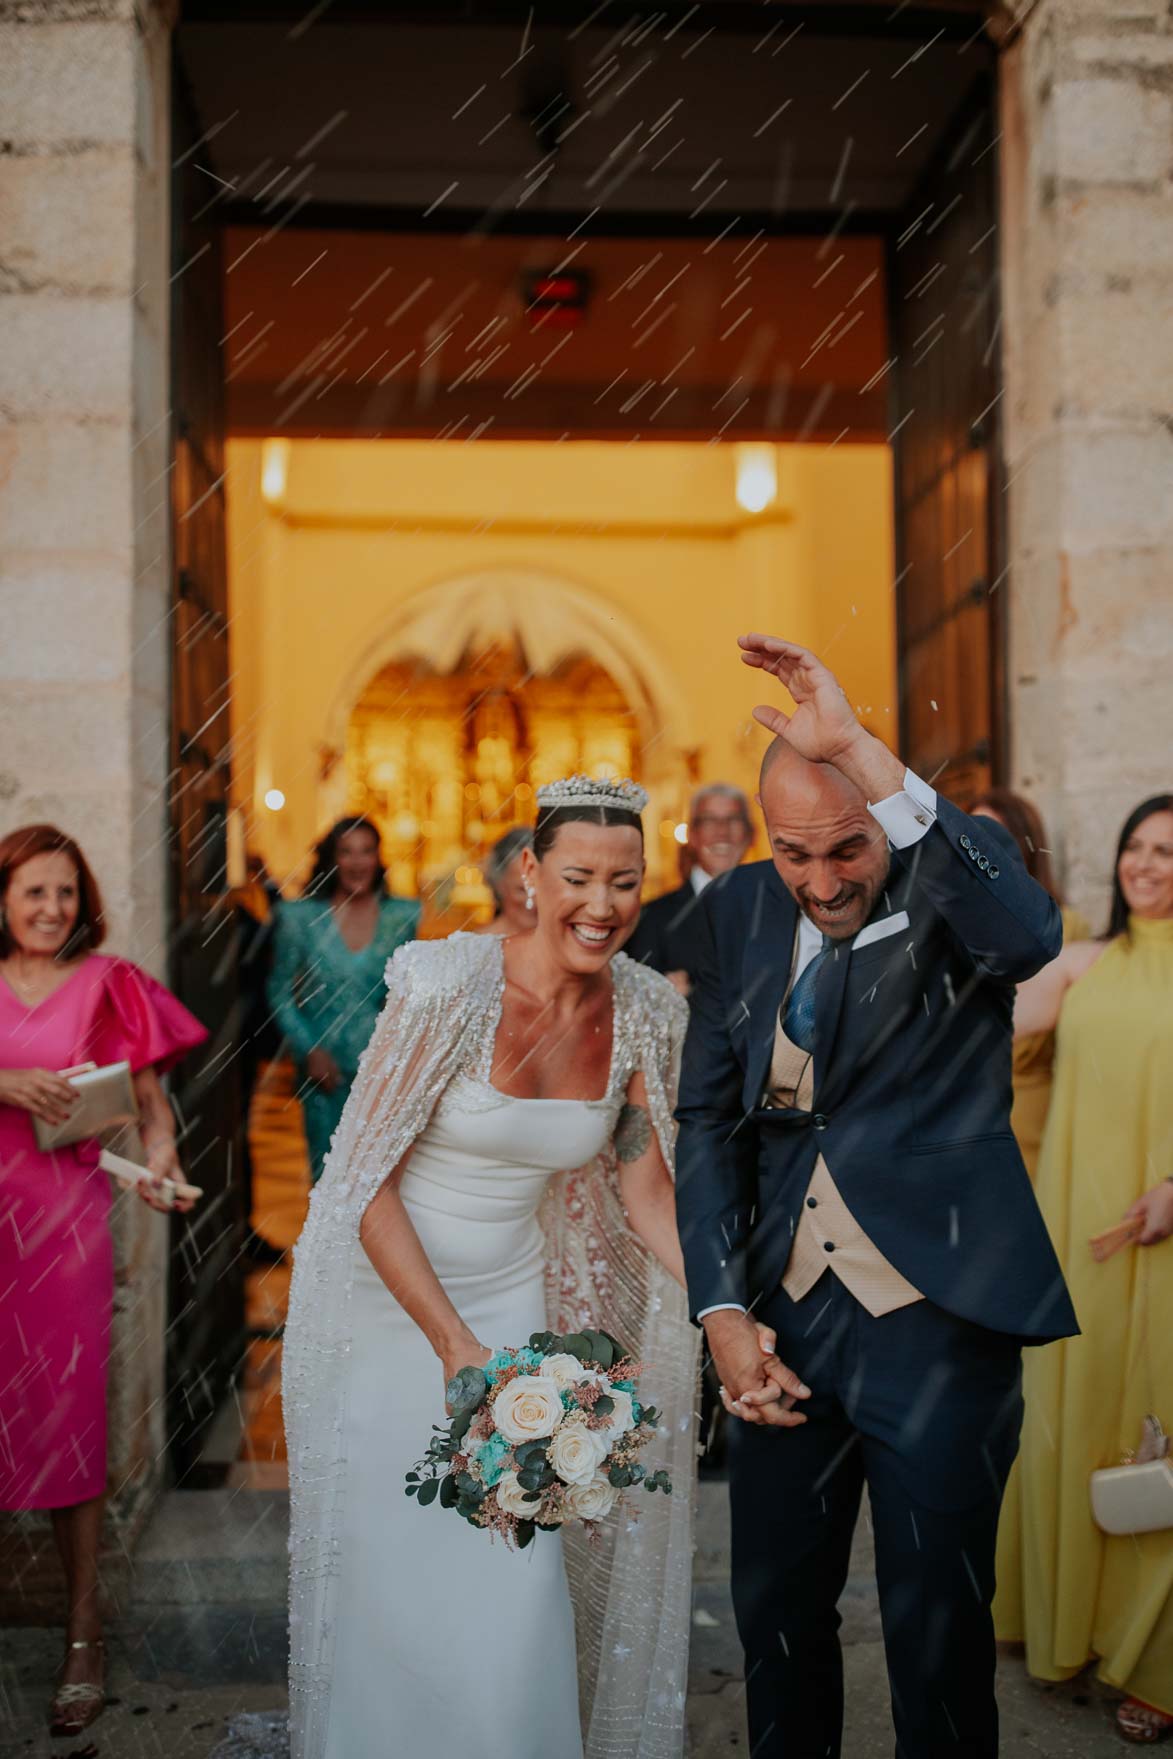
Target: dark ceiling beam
[(466, 222), (958, 21), (819, 414)]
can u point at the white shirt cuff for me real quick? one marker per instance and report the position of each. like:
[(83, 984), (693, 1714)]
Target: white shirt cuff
[(721, 1307), (906, 817)]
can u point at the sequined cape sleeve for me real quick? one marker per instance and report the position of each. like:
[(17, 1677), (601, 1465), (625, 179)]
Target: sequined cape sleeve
[(442, 998), (632, 1587)]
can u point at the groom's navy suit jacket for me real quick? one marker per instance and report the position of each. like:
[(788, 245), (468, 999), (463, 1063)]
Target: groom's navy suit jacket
[(912, 1072)]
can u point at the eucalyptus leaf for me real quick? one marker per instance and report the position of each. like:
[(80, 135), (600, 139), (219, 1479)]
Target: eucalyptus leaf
[(461, 1424), (604, 1405), (602, 1349), (577, 1345), (525, 1532), (467, 1390), (428, 1492), (448, 1493), (410, 1489)]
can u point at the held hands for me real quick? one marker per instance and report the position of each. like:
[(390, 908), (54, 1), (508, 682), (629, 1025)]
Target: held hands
[(1155, 1211), (823, 727), (755, 1385), (39, 1091)]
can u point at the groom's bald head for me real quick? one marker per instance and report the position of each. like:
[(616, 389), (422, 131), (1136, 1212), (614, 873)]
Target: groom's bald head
[(831, 854)]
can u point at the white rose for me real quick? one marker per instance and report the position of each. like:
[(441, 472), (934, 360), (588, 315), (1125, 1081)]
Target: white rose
[(622, 1418), (576, 1452), (589, 1502), (565, 1370), (528, 1408), (512, 1497)]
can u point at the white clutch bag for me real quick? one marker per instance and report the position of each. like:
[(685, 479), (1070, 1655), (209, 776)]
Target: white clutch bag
[(1137, 1498), (105, 1101)]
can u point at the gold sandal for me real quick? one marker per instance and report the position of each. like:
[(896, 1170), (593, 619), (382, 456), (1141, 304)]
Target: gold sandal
[(77, 1705), (1141, 1723)]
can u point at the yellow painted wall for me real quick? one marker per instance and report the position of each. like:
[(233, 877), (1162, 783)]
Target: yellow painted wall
[(651, 533)]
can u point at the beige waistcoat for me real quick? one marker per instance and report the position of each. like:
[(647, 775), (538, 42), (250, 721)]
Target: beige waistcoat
[(825, 1220)]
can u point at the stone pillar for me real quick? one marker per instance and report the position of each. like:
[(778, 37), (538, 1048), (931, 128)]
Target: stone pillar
[(1087, 256), (84, 523)]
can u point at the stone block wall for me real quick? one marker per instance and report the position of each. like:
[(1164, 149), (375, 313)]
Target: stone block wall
[(84, 526), (1087, 251)]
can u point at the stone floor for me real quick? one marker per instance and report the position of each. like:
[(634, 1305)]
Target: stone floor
[(204, 1637)]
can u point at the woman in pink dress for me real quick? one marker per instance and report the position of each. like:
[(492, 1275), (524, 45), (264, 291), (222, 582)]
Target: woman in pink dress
[(63, 1003)]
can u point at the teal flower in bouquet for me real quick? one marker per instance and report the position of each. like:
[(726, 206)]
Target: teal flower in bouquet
[(491, 1457), (502, 1359)]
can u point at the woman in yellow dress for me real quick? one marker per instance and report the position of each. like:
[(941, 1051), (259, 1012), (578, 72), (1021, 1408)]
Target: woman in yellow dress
[(1034, 1062), (1107, 1153)]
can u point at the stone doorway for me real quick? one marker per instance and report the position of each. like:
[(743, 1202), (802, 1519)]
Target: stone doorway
[(615, 255)]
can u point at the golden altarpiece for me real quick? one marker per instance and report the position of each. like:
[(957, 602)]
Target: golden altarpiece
[(446, 763)]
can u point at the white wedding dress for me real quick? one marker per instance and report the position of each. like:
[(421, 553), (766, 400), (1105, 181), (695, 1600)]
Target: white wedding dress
[(447, 1641), (412, 1634)]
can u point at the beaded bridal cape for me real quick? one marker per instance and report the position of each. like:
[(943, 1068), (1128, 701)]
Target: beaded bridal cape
[(631, 1588)]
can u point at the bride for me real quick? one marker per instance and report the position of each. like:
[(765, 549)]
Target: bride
[(502, 1167)]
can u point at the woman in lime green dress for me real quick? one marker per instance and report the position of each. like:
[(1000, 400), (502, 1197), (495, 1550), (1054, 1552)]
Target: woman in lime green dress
[(326, 988), (1107, 1153)]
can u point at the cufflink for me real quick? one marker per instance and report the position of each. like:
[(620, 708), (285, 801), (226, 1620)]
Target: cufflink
[(920, 818)]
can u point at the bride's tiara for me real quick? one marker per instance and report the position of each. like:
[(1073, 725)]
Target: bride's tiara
[(621, 796)]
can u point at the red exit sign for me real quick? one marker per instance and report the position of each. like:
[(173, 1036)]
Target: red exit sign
[(555, 298)]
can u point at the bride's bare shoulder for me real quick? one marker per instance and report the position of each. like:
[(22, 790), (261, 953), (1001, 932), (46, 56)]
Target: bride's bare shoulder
[(432, 968)]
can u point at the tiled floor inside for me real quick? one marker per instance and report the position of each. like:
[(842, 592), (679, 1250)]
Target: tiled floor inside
[(255, 1434)]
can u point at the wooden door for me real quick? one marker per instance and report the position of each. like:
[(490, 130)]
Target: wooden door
[(943, 283), (205, 1337)]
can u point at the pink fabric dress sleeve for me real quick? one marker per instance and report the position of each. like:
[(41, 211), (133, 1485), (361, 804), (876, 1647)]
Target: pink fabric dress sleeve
[(142, 1023)]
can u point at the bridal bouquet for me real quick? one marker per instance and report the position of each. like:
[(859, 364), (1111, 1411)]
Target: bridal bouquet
[(540, 1436)]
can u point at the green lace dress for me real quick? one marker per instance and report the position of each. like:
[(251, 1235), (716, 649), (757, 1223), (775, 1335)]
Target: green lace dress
[(325, 996)]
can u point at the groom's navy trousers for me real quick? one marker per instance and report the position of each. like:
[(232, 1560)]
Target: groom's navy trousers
[(926, 1408)]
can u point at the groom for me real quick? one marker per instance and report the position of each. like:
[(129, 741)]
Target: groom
[(846, 1172)]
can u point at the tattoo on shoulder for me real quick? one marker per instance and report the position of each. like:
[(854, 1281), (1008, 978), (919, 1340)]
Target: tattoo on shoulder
[(633, 1132)]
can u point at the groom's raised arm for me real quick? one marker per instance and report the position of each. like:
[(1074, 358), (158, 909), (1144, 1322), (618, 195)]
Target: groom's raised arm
[(716, 1153)]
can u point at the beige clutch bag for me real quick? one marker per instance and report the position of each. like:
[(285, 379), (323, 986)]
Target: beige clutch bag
[(105, 1100), (1137, 1498)]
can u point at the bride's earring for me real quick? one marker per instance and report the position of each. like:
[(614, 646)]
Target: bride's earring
[(530, 896)]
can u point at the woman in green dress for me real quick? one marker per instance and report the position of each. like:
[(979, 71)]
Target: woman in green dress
[(330, 951)]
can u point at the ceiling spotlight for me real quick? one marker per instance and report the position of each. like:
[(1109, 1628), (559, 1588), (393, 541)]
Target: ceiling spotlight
[(757, 477)]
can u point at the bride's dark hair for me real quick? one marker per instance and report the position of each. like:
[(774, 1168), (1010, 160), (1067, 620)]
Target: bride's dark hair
[(551, 820)]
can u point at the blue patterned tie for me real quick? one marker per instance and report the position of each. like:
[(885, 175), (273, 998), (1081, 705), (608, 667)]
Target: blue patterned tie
[(799, 1021)]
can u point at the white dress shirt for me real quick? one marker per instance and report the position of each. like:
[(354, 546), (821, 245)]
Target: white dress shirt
[(905, 818), (698, 879)]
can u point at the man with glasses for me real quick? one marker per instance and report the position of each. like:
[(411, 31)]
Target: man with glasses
[(720, 832)]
